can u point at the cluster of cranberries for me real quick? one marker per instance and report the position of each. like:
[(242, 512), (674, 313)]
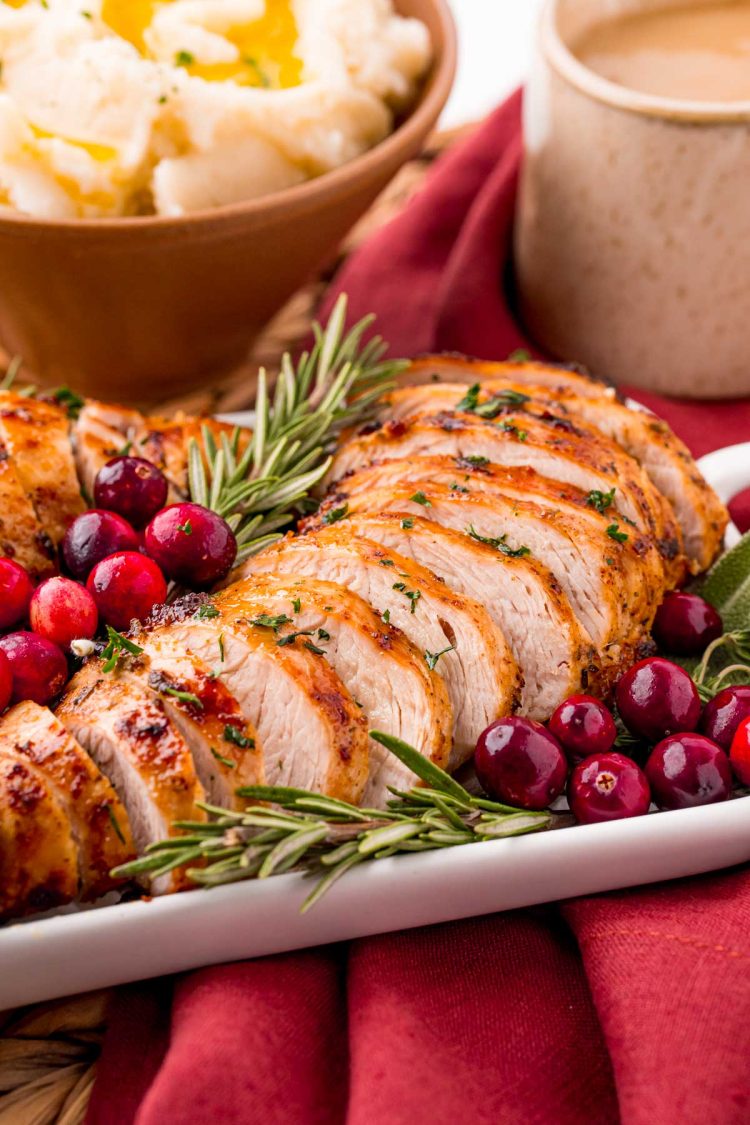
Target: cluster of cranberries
[(119, 558), (690, 752)]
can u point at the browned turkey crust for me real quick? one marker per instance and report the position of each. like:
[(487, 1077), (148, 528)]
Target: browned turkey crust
[(22, 536), (38, 852), (129, 736), (313, 736), (35, 433), (553, 652), (568, 396), (96, 816), (610, 599), (478, 667), (386, 675), (585, 460)]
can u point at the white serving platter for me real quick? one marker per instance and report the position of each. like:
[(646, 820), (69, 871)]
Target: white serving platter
[(110, 945)]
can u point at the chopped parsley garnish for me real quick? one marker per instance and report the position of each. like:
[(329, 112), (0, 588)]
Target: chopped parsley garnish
[(387, 562), (265, 621), (186, 528), (601, 500), (613, 531), (520, 355), (297, 605), (125, 449), (290, 638), (72, 402), (509, 428), (456, 487), (235, 735), (470, 399), (183, 696), (412, 595), (407, 523), (336, 514), (262, 77), (221, 647), (323, 635), (207, 611), (117, 647), (184, 58), (113, 821), (499, 544), (314, 649), (432, 657), (472, 462), (420, 498), (385, 617), (224, 761)]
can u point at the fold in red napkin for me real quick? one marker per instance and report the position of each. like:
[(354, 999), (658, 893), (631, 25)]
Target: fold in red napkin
[(632, 1006)]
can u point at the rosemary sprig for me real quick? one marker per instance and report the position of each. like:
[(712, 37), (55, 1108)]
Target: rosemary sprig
[(725, 662), (260, 490), (326, 837)]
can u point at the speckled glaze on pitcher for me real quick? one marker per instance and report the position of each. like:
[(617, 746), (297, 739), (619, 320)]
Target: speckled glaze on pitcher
[(632, 240)]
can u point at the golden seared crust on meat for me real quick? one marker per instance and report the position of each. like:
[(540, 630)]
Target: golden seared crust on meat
[(565, 450), (587, 461), (455, 368), (131, 739), (312, 734), (384, 672), (166, 441), (101, 432), (22, 536), (600, 576), (98, 820), (203, 710), (38, 853), (555, 655), (666, 460), (36, 435), (637, 561), (478, 667)]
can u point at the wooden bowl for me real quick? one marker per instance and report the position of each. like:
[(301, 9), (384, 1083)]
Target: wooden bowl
[(139, 310)]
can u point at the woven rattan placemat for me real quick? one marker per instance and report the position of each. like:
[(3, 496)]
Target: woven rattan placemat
[(48, 1052)]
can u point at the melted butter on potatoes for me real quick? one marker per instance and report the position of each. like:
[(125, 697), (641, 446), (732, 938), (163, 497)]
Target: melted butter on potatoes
[(131, 106)]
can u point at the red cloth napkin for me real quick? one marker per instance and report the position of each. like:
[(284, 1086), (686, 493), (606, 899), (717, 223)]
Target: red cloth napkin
[(631, 1006)]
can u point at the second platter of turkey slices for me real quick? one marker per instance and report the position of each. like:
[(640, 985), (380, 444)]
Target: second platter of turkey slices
[(97, 819), (586, 562), (312, 734), (469, 650), (387, 676), (524, 599), (589, 462), (556, 390)]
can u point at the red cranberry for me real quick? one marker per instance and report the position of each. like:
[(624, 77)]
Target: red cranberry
[(686, 770), (656, 697), (584, 726), (92, 537), (519, 762), (6, 681), (724, 713), (15, 593), (739, 754), (191, 544), (125, 586), (62, 611), (39, 667), (132, 487), (607, 787), (686, 624)]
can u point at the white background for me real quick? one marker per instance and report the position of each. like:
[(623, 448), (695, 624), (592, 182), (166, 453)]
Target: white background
[(495, 39)]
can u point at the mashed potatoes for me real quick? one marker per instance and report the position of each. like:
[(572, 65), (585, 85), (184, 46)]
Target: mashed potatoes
[(124, 107)]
